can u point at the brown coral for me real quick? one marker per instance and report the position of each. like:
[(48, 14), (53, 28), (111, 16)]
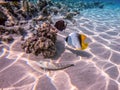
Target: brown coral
[(11, 30), (3, 18), (43, 42), (6, 38), (41, 4), (70, 15), (5, 33)]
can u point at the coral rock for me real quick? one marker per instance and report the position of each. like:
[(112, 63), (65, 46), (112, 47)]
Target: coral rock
[(12, 30), (7, 39), (41, 4), (43, 42), (3, 18), (70, 15)]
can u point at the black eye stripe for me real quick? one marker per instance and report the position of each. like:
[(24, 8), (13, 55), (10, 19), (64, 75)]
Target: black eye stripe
[(80, 40), (66, 39)]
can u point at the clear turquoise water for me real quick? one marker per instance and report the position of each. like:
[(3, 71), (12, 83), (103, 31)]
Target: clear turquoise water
[(115, 2)]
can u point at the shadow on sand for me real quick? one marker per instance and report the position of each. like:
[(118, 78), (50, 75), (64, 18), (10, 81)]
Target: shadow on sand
[(60, 49), (80, 53)]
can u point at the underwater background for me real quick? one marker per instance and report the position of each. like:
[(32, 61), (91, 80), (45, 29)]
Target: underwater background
[(114, 1), (60, 45)]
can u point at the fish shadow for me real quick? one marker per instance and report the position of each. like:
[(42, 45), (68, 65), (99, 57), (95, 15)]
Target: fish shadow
[(60, 49), (80, 53)]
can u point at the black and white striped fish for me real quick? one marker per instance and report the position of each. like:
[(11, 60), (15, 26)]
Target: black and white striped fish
[(76, 41)]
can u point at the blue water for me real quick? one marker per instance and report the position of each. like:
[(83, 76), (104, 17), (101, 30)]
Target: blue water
[(114, 2)]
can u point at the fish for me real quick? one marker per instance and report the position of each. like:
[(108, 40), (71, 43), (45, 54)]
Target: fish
[(53, 66), (61, 25), (76, 41)]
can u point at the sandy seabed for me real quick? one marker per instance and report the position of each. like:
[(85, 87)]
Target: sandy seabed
[(96, 68)]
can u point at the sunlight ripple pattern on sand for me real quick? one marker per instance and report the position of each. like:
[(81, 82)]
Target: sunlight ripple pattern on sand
[(97, 68)]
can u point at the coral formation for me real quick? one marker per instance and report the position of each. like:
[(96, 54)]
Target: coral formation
[(43, 18), (3, 18), (6, 38), (41, 4), (5, 33), (42, 42), (11, 30), (70, 15)]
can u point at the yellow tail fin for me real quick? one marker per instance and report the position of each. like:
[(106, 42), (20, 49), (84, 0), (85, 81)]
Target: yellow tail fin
[(83, 44)]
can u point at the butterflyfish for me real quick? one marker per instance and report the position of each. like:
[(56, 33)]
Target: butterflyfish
[(76, 41)]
